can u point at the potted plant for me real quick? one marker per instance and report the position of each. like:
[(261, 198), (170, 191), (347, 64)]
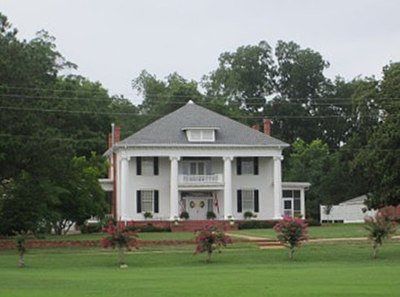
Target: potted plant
[(184, 215), (231, 220), (211, 215), (248, 215), (148, 215)]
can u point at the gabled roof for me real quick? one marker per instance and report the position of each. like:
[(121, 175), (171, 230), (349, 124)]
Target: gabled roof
[(355, 201), (169, 130)]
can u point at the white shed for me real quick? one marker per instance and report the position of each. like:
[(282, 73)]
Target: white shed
[(349, 211)]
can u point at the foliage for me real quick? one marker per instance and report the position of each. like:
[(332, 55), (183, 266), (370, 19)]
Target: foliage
[(291, 232), (184, 215), (210, 239), (379, 228), (243, 225), (248, 215), (121, 235), (148, 215), (211, 215)]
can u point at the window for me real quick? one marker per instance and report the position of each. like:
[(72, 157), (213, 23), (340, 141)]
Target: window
[(147, 201), (247, 165), (247, 200), (206, 135), (291, 202), (147, 166)]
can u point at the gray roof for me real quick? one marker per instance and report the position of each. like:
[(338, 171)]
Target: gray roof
[(168, 130)]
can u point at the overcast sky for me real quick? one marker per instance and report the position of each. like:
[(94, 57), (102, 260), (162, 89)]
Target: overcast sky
[(112, 41)]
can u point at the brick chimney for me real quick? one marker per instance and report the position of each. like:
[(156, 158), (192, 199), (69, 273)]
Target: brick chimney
[(117, 136), (267, 126)]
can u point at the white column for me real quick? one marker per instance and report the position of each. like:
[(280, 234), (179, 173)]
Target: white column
[(277, 188), (303, 203), (227, 187), (124, 188), (174, 195)]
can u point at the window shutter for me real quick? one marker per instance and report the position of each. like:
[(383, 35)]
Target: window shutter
[(239, 200), (138, 166), (256, 201), (138, 201), (156, 201), (155, 165), (255, 165), (239, 166)]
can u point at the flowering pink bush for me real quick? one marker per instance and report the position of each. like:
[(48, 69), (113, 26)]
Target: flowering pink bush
[(210, 239), (379, 227), (121, 235), (291, 232)]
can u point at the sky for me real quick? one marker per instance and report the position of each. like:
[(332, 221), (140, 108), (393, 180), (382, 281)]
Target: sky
[(112, 41)]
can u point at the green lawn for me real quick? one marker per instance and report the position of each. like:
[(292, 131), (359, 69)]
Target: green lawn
[(318, 270), (325, 231)]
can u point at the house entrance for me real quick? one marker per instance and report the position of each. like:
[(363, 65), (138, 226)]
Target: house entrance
[(197, 208)]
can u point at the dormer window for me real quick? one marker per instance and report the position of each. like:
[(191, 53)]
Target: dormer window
[(195, 134)]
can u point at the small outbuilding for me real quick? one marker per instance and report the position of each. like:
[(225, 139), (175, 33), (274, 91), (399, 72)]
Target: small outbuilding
[(349, 211)]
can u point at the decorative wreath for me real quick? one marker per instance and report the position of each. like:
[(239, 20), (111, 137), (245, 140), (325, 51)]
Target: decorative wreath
[(202, 204), (192, 204)]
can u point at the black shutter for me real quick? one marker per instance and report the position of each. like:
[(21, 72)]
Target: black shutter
[(156, 201), (239, 166), (255, 161), (138, 165), (138, 201), (256, 201), (239, 200), (155, 165)]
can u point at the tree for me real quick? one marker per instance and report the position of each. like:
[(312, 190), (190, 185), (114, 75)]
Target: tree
[(82, 196), (291, 232), (309, 163), (210, 239), (163, 97), (300, 72), (379, 228), (244, 77), (121, 235)]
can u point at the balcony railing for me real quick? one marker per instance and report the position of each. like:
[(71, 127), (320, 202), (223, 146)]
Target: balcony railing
[(200, 180)]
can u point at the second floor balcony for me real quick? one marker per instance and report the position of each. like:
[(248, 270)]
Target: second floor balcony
[(200, 180)]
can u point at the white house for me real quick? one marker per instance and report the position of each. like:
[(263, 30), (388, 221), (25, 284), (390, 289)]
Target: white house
[(196, 160), (349, 211)]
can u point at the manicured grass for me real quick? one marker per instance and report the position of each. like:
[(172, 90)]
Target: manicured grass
[(324, 231), (318, 270)]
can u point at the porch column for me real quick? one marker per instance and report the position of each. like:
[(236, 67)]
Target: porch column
[(124, 188), (174, 197), (302, 203), (227, 187), (277, 187)]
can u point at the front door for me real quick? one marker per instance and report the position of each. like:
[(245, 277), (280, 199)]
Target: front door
[(197, 208)]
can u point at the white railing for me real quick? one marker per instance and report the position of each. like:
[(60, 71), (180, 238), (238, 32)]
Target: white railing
[(201, 179)]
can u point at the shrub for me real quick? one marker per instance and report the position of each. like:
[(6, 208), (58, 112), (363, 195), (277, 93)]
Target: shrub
[(184, 215), (379, 227), (248, 215), (257, 224), (90, 228), (291, 232), (120, 235), (148, 215), (151, 228), (210, 239), (211, 215)]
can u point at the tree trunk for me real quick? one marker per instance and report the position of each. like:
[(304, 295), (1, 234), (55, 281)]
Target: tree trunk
[(375, 249), (121, 257), (208, 260), (21, 262), (291, 252)]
